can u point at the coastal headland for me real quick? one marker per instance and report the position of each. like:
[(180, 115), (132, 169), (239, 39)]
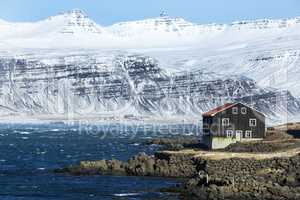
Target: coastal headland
[(268, 169)]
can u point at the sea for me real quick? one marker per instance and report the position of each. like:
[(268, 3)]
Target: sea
[(30, 152)]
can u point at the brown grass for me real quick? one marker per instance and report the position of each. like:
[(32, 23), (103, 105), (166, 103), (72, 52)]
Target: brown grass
[(228, 155), (288, 126)]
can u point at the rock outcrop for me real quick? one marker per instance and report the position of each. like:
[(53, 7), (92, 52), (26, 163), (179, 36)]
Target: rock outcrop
[(140, 165), (87, 85)]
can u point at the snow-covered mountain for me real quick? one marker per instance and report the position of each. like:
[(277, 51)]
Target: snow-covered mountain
[(72, 22), (162, 66), (75, 28), (162, 24), (76, 22)]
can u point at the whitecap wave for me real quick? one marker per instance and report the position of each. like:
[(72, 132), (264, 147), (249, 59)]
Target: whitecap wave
[(126, 194), (55, 130), (24, 133)]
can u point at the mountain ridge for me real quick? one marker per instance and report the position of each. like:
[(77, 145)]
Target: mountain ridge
[(77, 21), (284, 20)]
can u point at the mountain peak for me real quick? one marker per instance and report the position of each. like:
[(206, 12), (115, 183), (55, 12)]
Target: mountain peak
[(76, 13), (161, 24), (163, 14), (77, 21)]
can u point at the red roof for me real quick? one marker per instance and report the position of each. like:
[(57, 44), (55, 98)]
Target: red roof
[(218, 109)]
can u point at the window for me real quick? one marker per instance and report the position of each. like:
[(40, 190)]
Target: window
[(248, 134), (225, 122), (235, 110), (252, 122), (244, 110), (229, 133)]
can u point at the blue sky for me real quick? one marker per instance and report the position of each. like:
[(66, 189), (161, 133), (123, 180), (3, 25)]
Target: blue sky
[(107, 12)]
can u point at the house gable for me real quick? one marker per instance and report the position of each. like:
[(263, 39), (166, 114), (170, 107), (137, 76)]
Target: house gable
[(227, 106)]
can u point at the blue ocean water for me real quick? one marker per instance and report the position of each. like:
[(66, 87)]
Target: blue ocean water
[(29, 153), (295, 133)]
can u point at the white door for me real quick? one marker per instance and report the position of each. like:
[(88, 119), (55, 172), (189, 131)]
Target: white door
[(238, 135)]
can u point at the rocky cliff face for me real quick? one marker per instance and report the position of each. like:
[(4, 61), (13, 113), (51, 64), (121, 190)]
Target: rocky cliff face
[(132, 84)]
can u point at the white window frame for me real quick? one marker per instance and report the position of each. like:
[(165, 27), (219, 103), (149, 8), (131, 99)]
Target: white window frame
[(248, 134), (225, 122), (235, 110), (230, 133), (252, 124), (244, 110)]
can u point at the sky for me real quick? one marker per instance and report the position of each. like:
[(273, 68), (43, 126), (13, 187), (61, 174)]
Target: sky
[(106, 12)]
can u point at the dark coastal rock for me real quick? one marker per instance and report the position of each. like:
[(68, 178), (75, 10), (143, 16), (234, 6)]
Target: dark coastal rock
[(176, 143), (160, 165), (232, 178), (141, 165), (100, 167)]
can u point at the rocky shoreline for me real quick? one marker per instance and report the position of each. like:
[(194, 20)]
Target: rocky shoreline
[(211, 175), (159, 165)]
